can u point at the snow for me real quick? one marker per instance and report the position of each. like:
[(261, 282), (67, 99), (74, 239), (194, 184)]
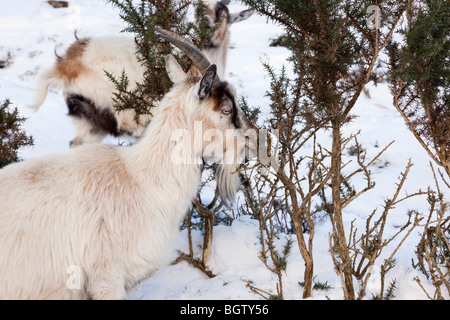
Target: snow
[(30, 31)]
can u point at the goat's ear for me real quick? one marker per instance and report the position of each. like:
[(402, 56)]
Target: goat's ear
[(241, 16), (207, 82), (174, 70)]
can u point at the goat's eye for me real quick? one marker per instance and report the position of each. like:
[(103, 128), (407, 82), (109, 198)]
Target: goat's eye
[(227, 111)]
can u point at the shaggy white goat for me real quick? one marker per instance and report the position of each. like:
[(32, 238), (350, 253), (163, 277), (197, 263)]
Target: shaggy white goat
[(88, 91), (96, 220)]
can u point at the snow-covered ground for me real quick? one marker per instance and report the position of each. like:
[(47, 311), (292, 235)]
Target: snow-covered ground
[(30, 30)]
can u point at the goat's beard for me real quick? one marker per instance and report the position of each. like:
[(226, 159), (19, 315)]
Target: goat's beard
[(227, 175), (228, 182)]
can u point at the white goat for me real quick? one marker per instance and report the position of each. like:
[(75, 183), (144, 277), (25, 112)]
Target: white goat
[(96, 220), (88, 91)]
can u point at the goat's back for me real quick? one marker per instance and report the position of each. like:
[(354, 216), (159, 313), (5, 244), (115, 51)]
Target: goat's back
[(113, 54)]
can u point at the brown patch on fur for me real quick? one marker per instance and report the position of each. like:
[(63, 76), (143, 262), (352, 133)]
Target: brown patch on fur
[(193, 79), (36, 173), (70, 67), (194, 72)]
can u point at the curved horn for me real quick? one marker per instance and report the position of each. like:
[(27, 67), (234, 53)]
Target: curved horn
[(197, 57), (175, 36)]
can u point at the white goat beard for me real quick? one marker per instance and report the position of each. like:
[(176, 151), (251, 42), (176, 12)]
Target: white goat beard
[(227, 183)]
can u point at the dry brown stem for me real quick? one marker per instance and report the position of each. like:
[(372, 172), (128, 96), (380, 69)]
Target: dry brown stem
[(433, 249)]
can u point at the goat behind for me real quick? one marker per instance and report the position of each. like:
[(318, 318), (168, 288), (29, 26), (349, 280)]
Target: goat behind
[(88, 92)]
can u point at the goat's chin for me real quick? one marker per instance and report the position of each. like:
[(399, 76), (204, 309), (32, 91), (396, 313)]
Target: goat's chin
[(227, 183)]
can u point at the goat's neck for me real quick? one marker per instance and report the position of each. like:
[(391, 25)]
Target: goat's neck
[(218, 55), (152, 159)]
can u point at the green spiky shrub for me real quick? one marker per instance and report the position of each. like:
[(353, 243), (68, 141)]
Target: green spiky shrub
[(12, 136)]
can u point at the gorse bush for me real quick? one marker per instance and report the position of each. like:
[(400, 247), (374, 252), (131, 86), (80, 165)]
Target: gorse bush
[(334, 51), (334, 54), (142, 18), (419, 73), (12, 136)]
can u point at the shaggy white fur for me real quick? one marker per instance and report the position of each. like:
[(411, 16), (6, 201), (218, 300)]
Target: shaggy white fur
[(96, 220)]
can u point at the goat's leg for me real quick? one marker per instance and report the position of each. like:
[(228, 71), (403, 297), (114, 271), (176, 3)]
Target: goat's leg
[(85, 133)]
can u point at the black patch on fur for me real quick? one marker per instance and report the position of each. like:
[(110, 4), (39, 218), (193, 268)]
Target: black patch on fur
[(220, 94), (220, 10), (101, 121)]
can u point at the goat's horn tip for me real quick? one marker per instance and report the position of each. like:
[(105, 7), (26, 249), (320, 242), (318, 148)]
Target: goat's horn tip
[(160, 32)]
